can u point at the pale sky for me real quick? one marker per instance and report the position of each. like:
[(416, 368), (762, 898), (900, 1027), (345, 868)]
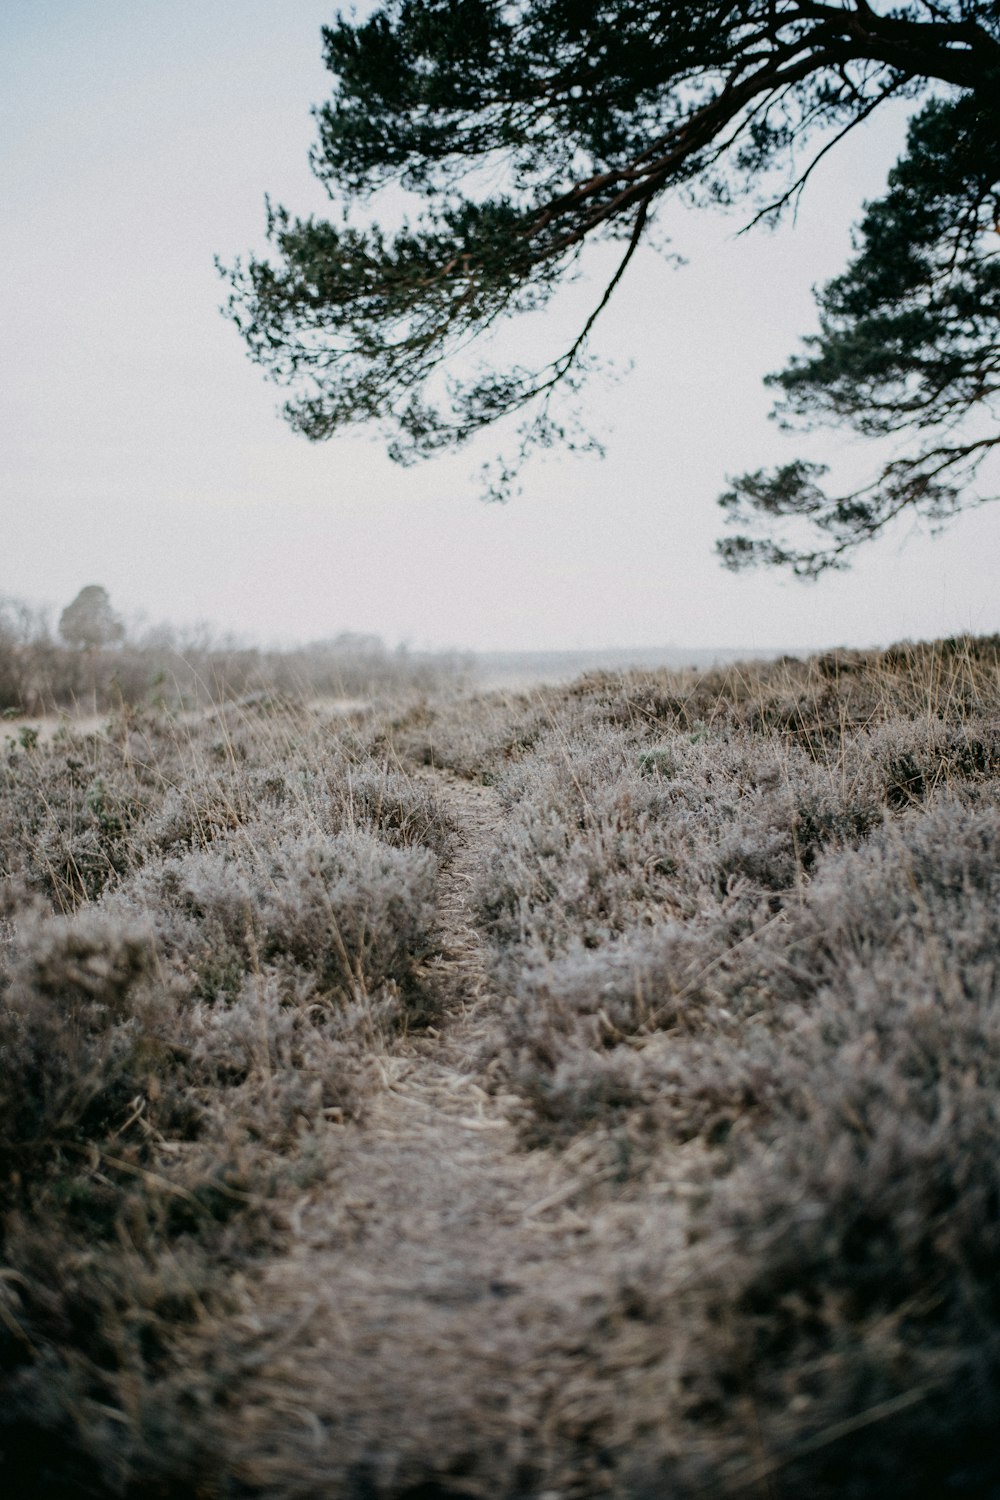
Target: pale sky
[(141, 450)]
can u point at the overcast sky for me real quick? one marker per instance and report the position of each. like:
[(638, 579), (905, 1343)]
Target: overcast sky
[(141, 450)]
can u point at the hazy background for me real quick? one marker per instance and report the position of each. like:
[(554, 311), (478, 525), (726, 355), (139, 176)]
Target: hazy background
[(141, 449)]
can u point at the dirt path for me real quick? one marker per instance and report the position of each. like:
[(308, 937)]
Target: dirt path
[(438, 1080), (444, 1278), (460, 973)]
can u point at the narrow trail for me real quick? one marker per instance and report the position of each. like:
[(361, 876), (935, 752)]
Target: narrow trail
[(443, 1208), (438, 1096), (451, 1277), (460, 973)]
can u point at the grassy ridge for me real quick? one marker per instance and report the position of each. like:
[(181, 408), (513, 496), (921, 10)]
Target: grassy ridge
[(740, 1012)]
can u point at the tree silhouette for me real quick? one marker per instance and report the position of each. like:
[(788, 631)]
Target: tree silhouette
[(89, 622), (529, 129)]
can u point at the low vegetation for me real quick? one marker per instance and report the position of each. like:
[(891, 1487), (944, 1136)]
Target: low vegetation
[(94, 666), (593, 1091)]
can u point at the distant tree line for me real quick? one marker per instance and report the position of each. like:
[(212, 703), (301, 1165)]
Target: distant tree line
[(92, 663)]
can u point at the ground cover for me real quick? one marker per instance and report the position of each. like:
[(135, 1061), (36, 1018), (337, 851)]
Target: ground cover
[(586, 1091)]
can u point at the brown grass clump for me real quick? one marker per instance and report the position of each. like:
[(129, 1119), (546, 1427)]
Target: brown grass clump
[(593, 1092)]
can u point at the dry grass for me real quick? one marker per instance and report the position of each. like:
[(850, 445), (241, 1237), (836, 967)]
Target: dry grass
[(43, 678), (586, 1092)]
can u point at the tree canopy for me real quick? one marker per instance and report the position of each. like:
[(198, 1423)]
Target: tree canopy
[(530, 129), (89, 622)]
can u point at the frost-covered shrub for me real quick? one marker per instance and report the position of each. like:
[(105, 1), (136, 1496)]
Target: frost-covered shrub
[(399, 809), (351, 911), (194, 814), (287, 1062), (912, 760), (354, 911), (203, 905), (838, 1071), (68, 819), (852, 1254), (477, 738), (149, 1145), (601, 837), (884, 942), (68, 1034)]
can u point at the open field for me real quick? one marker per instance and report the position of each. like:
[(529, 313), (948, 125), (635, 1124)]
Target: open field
[(592, 1091)]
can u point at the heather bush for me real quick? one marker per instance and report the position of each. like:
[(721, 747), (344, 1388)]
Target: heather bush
[(349, 911), (399, 809), (97, 1220), (840, 1068), (68, 818), (586, 1092), (355, 912), (476, 739), (601, 837), (68, 1035), (778, 952), (851, 1251)]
